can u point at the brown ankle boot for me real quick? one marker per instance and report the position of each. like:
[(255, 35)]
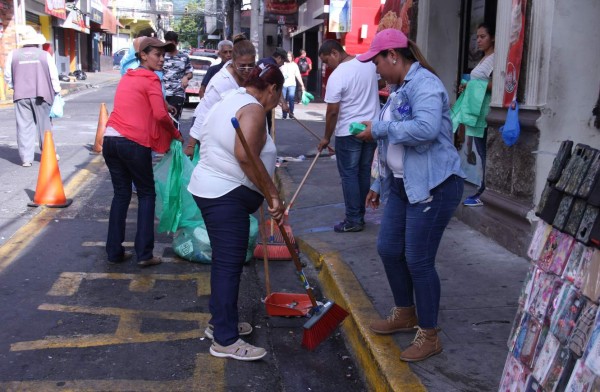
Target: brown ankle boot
[(426, 344), (399, 320)]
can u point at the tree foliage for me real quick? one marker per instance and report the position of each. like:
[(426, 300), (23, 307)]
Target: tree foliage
[(190, 24)]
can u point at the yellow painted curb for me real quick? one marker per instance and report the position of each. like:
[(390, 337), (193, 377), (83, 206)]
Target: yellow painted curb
[(377, 355), (22, 237)]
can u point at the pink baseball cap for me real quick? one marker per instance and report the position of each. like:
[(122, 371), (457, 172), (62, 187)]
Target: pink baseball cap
[(385, 39)]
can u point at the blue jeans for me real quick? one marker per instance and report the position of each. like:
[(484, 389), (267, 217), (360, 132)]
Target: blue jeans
[(129, 162), (408, 241), (228, 225), (354, 158), (289, 94)]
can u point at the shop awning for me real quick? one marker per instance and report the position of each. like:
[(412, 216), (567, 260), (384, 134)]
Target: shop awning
[(109, 22)]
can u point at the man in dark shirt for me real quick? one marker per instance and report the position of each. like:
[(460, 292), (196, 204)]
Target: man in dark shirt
[(278, 58), (225, 48)]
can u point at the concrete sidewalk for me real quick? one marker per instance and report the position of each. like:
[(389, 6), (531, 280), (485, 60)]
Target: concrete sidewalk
[(480, 285), (93, 80)]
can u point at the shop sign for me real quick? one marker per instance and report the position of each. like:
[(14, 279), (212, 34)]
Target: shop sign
[(282, 7), (97, 10), (76, 20), (56, 8), (340, 16), (515, 51)]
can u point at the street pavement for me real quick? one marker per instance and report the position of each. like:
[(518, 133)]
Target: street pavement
[(480, 286)]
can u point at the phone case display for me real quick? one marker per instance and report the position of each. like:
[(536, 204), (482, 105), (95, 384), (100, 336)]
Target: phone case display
[(554, 344)]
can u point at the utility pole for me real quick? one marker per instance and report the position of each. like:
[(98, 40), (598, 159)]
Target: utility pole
[(254, 15), (237, 13), (261, 29)]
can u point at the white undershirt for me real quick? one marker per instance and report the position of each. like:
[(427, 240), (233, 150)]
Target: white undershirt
[(395, 152)]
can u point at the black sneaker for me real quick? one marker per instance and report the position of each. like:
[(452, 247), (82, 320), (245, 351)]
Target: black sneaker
[(347, 227)]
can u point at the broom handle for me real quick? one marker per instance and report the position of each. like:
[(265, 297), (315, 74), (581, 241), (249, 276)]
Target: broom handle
[(287, 210), (331, 150), (263, 236), (264, 188)]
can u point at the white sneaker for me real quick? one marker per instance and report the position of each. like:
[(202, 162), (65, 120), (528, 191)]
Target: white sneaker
[(239, 350), (26, 164), (243, 330)]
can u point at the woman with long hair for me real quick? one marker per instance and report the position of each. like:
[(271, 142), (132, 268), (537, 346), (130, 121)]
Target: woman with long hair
[(420, 176)]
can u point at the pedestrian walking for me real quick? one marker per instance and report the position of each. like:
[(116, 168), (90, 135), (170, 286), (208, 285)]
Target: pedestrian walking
[(420, 176), (32, 74), (226, 190), (305, 66), (225, 51), (351, 95), (138, 125), (475, 104), (230, 77), (291, 75), (177, 72)]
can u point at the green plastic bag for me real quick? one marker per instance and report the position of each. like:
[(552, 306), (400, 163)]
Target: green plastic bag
[(193, 244), (175, 206), (306, 97), (178, 212)]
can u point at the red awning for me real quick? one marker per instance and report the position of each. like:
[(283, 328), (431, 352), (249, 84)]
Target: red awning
[(109, 22)]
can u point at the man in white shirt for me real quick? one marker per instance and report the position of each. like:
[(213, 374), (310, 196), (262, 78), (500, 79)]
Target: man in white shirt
[(32, 74), (351, 96)]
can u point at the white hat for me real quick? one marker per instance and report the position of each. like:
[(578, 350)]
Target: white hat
[(28, 36)]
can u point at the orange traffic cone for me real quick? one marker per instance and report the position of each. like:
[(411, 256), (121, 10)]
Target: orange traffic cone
[(102, 119), (49, 190)]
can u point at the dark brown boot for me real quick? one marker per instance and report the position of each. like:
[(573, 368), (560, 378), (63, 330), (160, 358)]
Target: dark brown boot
[(426, 344), (399, 320)]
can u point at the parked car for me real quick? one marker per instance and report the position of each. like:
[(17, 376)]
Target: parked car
[(200, 64), (205, 53), (118, 55)]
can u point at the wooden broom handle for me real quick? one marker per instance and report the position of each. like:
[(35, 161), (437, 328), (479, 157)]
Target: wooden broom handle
[(263, 236), (264, 188), (331, 150), (287, 210)]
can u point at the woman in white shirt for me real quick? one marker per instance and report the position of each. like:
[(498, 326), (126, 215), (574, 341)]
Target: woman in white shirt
[(225, 189), (291, 73), (230, 77)]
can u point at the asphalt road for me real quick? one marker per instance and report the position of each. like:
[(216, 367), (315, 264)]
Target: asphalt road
[(70, 321)]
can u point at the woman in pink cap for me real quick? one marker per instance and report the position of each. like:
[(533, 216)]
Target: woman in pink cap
[(421, 179)]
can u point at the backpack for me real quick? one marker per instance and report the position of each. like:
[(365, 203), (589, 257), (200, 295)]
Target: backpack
[(303, 65)]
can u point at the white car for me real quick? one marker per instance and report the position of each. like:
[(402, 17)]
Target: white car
[(201, 64)]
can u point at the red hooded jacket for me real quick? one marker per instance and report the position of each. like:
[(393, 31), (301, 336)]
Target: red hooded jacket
[(140, 113)]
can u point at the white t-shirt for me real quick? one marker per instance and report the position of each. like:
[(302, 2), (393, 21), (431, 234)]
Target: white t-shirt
[(354, 86), (395, 152), (221, 83), (219, 171), (483, 70), (290, 71)]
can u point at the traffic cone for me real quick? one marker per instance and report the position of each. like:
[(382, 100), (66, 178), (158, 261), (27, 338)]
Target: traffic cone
[(102, 119), (49, 190)]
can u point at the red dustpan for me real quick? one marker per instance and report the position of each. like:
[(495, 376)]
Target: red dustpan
[(281, 304)]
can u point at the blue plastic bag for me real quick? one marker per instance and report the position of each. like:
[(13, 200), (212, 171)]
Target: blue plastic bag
[(511, 128), (57, 108)]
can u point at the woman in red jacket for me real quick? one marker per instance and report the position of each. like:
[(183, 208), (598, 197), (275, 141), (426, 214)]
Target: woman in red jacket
[(139, 124)]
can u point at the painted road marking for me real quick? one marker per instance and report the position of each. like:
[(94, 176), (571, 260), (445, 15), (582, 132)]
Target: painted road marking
[(209, 375), (128, 330), (68, 283)]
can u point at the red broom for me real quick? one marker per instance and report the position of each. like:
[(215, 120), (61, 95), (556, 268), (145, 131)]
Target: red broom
[(324, 319)]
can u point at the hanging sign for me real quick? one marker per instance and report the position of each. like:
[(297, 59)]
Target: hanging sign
[(340, 16), (515, 51), (282, 7), (56, 8)]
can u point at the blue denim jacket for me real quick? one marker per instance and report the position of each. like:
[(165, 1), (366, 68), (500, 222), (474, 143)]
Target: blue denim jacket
[(421, 123)]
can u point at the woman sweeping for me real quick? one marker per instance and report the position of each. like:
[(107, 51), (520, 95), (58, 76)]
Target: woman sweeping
[(225, 189), (419, 173)]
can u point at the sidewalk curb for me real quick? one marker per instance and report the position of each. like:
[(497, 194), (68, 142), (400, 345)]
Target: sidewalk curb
[(377, 355)]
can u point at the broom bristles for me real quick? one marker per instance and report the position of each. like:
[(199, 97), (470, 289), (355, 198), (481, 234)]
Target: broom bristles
[(319, 327)]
